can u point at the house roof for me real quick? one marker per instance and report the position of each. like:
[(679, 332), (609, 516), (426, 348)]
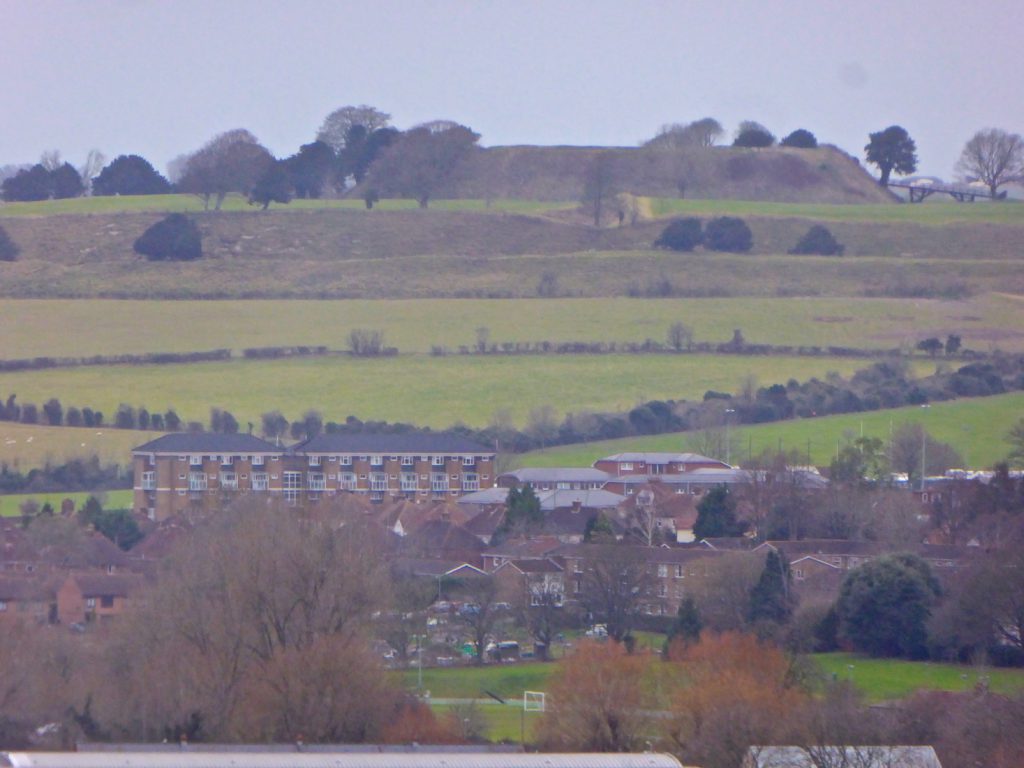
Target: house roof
[(22, 588), (558, 474), (428, 566), (655, 457), (537, 546), (207, 442), (590, 498), (703, 476), (369, 442), (485, 496), (794, 549), (543, 565), (104, 585)]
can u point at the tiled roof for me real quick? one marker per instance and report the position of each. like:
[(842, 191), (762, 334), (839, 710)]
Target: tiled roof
[(100, 585), (207, 442), (558, 474), (415, 442)]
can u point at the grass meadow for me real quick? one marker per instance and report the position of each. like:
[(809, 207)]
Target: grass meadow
[(935, 212), (429, 391), (24, 446), (976, 427), (235, 203), (62, 328)]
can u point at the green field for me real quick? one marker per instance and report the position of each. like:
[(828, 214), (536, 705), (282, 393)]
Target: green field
[(937, 212), (11, 505), (882, 679), (878, 678), (24, 446), (975, 427), (234, 203), (423, 390), (62, 328)]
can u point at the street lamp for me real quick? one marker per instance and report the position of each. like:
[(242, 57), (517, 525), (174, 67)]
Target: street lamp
[(728, 444), (924, 448)]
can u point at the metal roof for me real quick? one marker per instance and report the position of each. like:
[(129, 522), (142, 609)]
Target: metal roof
[(191, 758), (559, 474), (657, 457), (207, 442)]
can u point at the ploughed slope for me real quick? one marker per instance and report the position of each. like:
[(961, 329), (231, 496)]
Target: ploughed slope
[(780, 174), (376, 254)]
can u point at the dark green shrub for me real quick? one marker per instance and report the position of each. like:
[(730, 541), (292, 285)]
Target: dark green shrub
[(727, 233), (754, 137), (681, 235), (175, 238), (801, 138), (818, 240), (9, 250)]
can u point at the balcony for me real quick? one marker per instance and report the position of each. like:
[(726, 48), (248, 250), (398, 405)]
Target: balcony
[(260, 481), (409, 482), (149, 481), (315, 481), (228, 481), (378, 481), (197, 481)]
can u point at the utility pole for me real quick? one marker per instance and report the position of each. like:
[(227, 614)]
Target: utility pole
[(728, 444)]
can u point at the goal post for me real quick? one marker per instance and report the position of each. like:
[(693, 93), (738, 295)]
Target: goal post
[(533, 701)]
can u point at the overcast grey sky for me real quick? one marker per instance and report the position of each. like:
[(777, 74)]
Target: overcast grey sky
[(160, 78)]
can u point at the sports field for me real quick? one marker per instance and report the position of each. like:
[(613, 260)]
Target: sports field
[(11, 504)]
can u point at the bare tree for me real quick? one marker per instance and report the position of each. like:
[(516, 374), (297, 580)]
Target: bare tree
[(680, 336), (335, 129), (51, 160), (700, 133), (992, 156), (93, 164), (616, 587), (542, 612), (480, 613), (600, 185)]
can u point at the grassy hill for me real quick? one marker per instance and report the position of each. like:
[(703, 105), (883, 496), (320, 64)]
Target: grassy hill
[(976, 427), (463, 250), (823, 175)]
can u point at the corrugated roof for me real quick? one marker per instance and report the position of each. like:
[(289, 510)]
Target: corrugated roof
[(207, 442), (246, 759), (416, 442), (591, 498)]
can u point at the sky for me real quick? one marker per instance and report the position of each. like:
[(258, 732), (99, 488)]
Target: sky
[(161, 78)]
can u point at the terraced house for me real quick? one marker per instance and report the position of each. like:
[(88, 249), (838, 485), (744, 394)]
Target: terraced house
[(199, 471)]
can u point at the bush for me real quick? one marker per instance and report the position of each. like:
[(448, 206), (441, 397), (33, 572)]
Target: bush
[(820, 241), (175, 238), (727, 233), (800, 139), (681, 235), (9, 250), (754, 137)]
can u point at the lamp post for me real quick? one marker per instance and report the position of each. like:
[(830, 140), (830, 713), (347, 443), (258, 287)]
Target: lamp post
[(728, 444), (924, 448)]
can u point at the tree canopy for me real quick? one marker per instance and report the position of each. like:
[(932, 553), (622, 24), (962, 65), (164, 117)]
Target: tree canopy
[(681, 235), (716, 515), (130, 175), (753, 134), (729, 234), (230, 162), (422, 160), (892, 150), (884, 605), (801, 138)]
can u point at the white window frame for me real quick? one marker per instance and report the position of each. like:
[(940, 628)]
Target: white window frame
[(149, 481), (314, 460), (407, 461), (195, 460), (257, 460), (437, 461), (469, 461), (315, 481), (228, 481), (260, 481)]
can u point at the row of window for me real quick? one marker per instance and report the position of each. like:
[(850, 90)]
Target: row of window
[(196, 460), (317, 481)]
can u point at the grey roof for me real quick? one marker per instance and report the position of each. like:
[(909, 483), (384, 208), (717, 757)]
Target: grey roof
[(591, 498), (694, 477), (558, 474), (368, 442), (866, 756), (657, 457), (486, 496), (191, 758), (207, 442)]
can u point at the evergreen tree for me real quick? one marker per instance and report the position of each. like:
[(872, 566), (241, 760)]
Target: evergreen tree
[(716, 515), (771, 599), (687, 625)]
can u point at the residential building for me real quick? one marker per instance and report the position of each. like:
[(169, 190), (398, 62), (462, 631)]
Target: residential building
[(655, 463), (555, 478), (197, 471)]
